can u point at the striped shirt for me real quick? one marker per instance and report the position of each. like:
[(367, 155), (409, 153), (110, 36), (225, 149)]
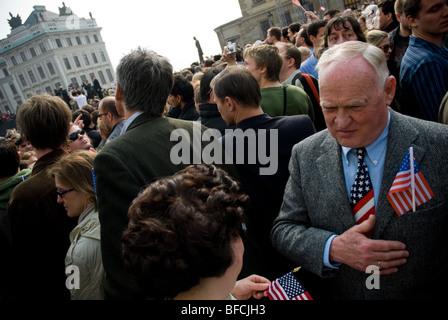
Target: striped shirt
[(423, 79)]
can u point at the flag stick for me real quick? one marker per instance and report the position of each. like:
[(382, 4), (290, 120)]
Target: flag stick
[(411, 161)]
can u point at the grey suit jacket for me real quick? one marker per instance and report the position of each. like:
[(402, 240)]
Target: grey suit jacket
[(316, 205)]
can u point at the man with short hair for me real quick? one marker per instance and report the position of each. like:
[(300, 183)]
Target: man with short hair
[(291, 74), (264, 63), (33, 212), (293, 28), (181, 99), (424, 68), (273, 136), (338, 219), (302, 39), (386, 15), (274, 35), (79, 98), (315, 32), (108, 113), (145, 150), (399, 38)]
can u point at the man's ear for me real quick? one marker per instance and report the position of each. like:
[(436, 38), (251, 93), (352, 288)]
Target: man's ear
[(118, 94), (291, 62), (229, 103), (412, 21), (389, 89)]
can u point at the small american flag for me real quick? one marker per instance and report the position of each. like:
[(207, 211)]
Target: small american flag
[(401, 196), (287, 287), (297, 3)]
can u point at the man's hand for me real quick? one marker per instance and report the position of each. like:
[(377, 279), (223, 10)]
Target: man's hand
[(354, 249)]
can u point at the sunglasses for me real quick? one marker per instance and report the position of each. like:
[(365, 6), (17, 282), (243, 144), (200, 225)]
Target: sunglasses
[(387, 47), (74, 136)]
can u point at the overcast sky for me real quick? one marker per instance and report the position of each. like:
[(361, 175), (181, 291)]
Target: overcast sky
[(166, 26)]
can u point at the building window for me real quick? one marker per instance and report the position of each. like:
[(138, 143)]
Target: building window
[(23, 56), (42, 47), (33, 52), (69, 41), (50, 68), (13, 60), (95, 37), (78, 40), (48, 90), (83, 78), (22, 80), (32, 77), (59, 43), (2, 97), (13, 88), (41, 72), (73, 81), (109, 75), (265, 25), (256, 1), (67, 64), (87, 38), (103, 57), (103, 80), (77, 63), (5, 71), (95, 60), (86, 60)]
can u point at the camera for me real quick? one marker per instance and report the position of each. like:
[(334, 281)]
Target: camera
[(231, 48)]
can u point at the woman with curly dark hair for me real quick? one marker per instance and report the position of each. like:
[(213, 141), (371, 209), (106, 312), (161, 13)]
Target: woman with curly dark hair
[(184, 238)]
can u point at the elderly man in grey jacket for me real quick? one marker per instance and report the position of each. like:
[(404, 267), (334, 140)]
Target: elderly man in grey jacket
[(316, 226)]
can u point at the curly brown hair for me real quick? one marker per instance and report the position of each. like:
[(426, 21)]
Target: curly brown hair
[(181, 229)]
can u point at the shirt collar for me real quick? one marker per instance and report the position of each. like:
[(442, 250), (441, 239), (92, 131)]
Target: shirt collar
[(375, 149), (129, 121)]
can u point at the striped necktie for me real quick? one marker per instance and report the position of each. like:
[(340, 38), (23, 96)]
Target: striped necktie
[(361, 194)]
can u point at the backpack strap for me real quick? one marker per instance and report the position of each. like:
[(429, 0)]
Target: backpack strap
[(312, 86), (284, 100)]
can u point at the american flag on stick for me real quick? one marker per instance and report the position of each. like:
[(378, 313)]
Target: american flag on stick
[(410, 188), (287, 287)]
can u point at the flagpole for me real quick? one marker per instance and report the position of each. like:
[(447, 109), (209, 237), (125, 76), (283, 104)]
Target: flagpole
[(411, 161), (300, 6)]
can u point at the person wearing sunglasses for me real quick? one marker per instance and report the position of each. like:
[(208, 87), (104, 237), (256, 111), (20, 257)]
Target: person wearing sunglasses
[(78, 140), (381, 40), (76, 192)]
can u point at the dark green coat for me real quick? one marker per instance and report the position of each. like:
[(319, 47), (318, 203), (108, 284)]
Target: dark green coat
[(122, 169)]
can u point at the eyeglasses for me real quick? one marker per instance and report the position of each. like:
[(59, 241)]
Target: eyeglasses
[(74, 136), (387, 47), (62, 192), (102, 114)]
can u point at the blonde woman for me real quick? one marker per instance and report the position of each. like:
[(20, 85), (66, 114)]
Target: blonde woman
[(75, 188), (381, 40)]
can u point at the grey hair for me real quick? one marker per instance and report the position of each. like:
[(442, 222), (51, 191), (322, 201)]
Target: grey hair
[(145, 79), (351, 49)]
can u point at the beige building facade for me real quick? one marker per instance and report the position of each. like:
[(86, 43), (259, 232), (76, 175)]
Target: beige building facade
[(50, 50), (259, 15)]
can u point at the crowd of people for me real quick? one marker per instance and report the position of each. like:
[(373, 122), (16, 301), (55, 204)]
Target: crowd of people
[(306, 132)]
